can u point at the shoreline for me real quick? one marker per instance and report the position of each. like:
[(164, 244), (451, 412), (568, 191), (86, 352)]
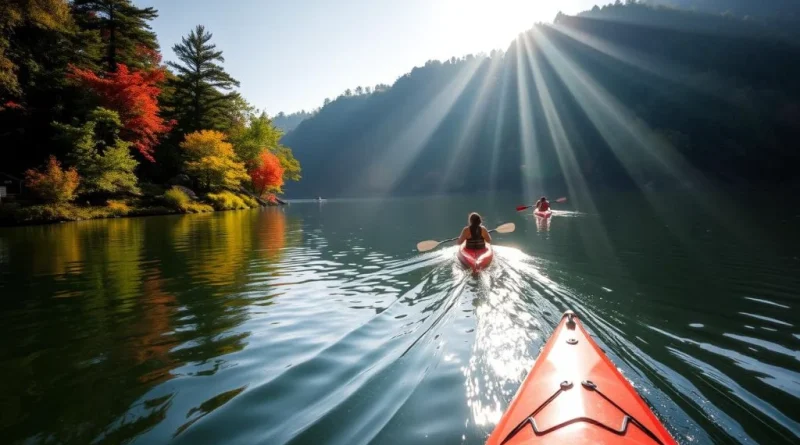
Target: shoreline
[(14, 215)]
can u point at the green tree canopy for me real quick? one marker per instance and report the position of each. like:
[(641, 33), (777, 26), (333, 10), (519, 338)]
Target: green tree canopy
[(102, 159), (201, 97)]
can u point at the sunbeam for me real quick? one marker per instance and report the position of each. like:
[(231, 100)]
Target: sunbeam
[(499, 125), (531, 167), (385, 173), (595, 238), (672, 71), (460, 157)]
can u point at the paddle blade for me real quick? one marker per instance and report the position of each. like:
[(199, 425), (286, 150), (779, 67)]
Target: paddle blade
[(562, 200), (506, 228), (425, 246), (521, 208)]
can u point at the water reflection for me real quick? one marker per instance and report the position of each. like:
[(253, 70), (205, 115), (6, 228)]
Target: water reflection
[(511, 327), (300, 326), (542, 224), (118, 307)]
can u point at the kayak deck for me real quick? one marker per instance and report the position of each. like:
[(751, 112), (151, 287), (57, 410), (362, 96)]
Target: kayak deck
[(545, 214), (575, 395), (476, 259)]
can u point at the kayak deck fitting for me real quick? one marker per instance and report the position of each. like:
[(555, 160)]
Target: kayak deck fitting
[(575, 395)]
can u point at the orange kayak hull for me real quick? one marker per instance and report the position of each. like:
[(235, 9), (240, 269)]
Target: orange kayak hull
[(575, 395), (476, 259)]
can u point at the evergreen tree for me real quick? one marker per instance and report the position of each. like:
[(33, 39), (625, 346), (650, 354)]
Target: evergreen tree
[(38, 43), (198, 97), (123, 28), (44, 15)]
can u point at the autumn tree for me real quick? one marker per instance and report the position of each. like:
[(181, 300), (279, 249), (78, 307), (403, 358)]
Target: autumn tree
[(52, 183), (212, 161), (202, 87), (134, 96), (123, 29), (100, 156), (261, 135), (267, 174)]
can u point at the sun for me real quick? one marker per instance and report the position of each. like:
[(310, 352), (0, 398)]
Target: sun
[(489, 24)]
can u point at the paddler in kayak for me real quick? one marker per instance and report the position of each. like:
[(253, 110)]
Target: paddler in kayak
[(543, 204), (474, 234)]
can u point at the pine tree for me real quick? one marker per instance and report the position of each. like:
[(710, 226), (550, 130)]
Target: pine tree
[(46, 15), (198, 97), (123, 28)]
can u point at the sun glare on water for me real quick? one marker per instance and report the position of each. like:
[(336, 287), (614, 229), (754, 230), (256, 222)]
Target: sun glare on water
[(487, 24)]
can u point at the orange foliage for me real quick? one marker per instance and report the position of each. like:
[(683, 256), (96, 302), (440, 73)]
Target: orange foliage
[(134, 95), (272, 234), (268, 176), (53, 184)]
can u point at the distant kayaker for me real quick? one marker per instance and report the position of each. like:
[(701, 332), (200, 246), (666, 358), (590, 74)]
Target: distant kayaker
[(543, 204), (475, 234)]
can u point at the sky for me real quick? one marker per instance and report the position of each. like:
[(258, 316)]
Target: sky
[(290, 55)]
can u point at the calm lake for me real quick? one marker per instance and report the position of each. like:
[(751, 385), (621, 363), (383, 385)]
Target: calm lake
[(320, 323)]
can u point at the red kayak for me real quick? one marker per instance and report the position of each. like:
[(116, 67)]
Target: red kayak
[(476, 259), (575, 395), (545, 214)]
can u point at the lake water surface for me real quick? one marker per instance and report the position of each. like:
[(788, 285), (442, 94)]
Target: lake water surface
[(320, 323)]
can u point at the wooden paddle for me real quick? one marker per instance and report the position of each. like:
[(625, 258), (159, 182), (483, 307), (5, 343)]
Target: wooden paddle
[(425, 246), (559, 200)]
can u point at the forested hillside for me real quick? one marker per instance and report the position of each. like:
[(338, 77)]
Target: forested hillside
[(626, 99), (741, 8), (288, 122)]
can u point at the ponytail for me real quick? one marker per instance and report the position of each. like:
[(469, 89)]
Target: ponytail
[(475, 220)]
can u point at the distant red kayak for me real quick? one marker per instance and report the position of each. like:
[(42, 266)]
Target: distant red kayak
[(476, 259), (545, 214), (575, 395)]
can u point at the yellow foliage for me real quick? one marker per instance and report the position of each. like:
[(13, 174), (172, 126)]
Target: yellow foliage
[(117, 208), (197, 207), (178, 200), (231, 201), (250, 202), (212, 160)]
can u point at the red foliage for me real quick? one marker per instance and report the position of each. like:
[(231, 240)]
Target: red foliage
[(268, 175), (11, 105), (134, 95)]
